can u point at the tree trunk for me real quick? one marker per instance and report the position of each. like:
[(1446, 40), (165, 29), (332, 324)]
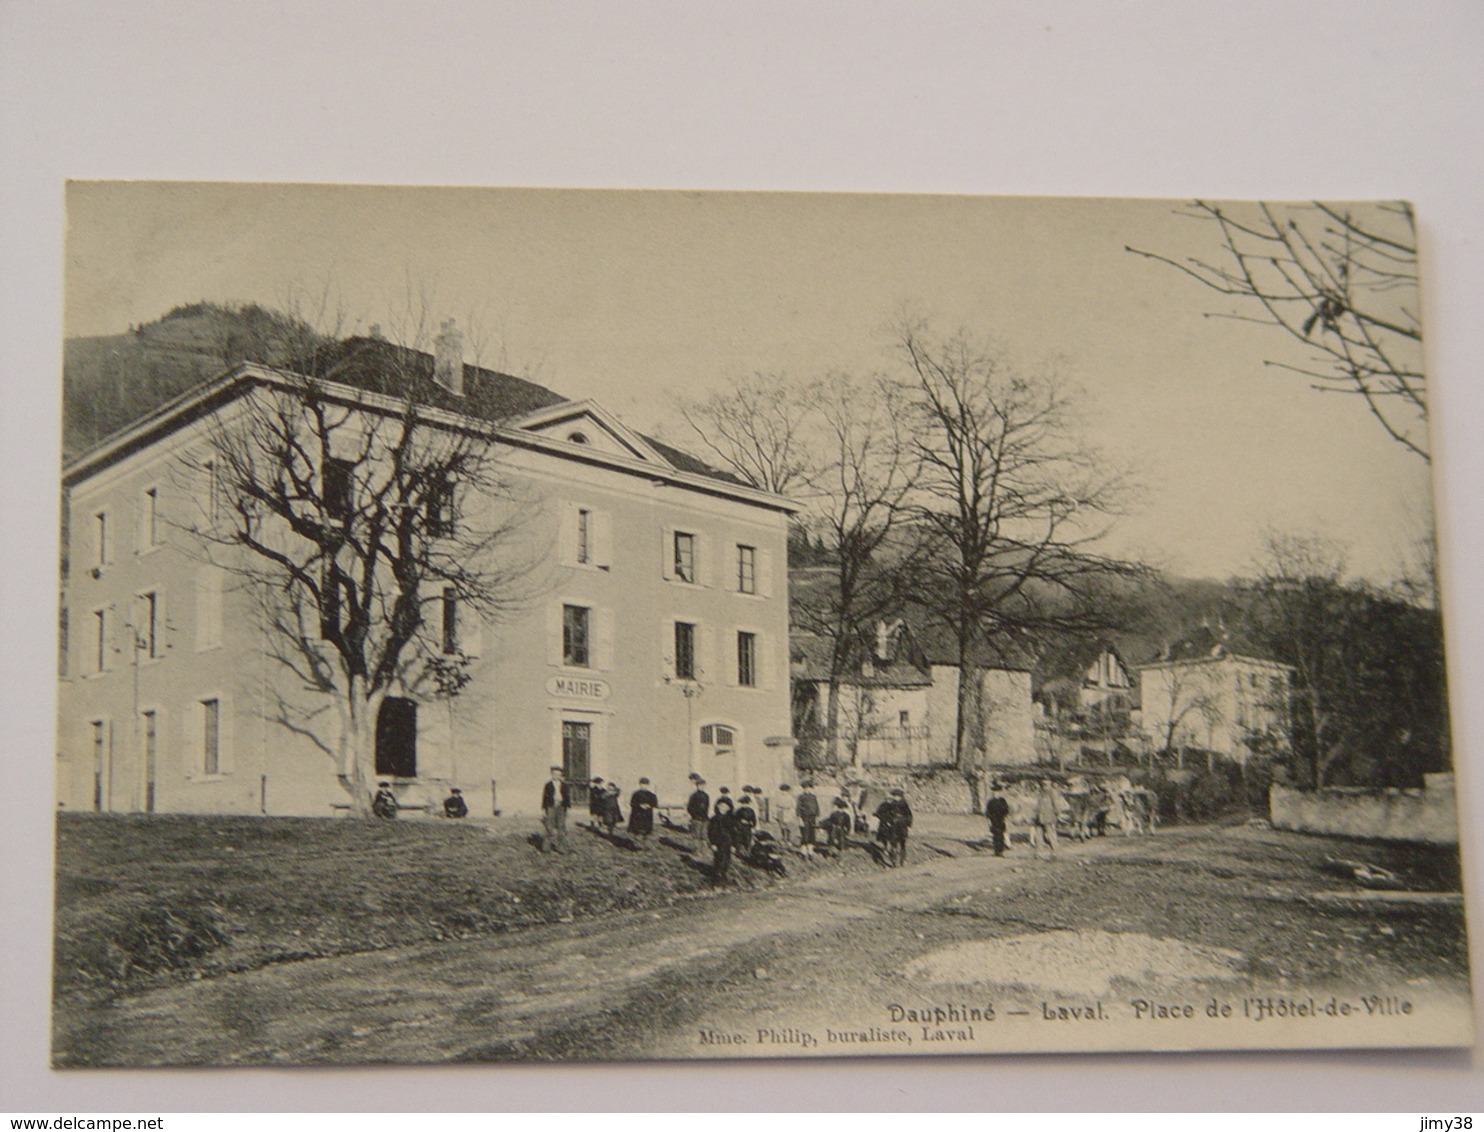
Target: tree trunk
[(961, 757), (358, 745), (832, 723)]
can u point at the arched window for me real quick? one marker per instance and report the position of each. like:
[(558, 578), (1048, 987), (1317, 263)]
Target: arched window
[(720, 737)]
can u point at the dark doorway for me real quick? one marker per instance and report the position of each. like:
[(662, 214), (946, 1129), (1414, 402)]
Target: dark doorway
[(577, 758), (396, 738)]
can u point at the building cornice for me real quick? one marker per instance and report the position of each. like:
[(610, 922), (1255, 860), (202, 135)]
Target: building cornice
[(211, 396)]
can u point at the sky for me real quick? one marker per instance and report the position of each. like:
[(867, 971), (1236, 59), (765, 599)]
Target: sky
[(638, 299)]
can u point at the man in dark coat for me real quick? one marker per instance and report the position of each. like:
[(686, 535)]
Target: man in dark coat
[(384, 805), (998, 813), (808, 810), (838, 826), (893, 820), (611, 812), (595, 803), (724, 804), (698, 807), (454, 805), (722, 836), (556, 799), (744, 823), (641, 811)]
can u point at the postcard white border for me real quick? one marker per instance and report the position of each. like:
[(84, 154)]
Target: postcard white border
[(1269, 100)]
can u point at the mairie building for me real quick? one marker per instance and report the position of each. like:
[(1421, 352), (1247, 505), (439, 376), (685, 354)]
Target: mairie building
[(653, 640)]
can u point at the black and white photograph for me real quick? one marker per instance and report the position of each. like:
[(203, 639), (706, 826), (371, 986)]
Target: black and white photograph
[(559, 625)]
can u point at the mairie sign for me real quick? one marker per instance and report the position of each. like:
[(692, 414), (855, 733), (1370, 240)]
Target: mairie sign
[(577, 688)]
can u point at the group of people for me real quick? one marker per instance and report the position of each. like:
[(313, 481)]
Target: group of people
[(604, 807), (1042, 824), (729, 823), (385, 806)]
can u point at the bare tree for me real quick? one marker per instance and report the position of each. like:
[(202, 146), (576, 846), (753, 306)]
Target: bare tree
[(1186, 692), (756, 430), (1341, 280), (1009, 504), (855, 494), (1370, 684), (370, 528), (1303, 610)]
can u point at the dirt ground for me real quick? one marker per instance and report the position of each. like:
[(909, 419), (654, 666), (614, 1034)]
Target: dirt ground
[(1179, 916)]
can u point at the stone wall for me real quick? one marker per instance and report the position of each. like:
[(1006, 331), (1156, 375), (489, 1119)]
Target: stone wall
[(1429, 814), (941, 790)]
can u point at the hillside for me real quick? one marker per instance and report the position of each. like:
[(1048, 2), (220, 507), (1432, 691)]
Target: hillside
[(111, 380)]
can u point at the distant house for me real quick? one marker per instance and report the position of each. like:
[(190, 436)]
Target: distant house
[(898, 703), (1204, 696), (1106, 677), (1086, 677)]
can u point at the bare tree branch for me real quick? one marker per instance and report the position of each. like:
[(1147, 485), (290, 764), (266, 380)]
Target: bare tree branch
[(1342, 285)]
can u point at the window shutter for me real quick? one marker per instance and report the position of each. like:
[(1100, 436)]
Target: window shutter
[(603, 657), (667, 648), (554, 633), (225, 762), (667, 553), (732, 663), (763, 653), (162, 625), (705, 561), (602, 539), (706, 665), (208, 607), (764, 571), (470, 631), (567, 536), (192, 727)]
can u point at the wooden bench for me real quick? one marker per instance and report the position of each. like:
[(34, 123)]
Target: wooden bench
[(347, 807)]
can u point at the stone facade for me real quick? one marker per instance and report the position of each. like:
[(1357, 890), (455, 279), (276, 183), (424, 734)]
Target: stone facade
[(169, 702)]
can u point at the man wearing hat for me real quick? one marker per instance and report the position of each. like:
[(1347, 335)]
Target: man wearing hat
[(998, 813), (720, 833), (838, 825), (893, 820), (595, 801), (744, 823), (556, 798), (454, 805), (384, 805), (783, 813), (641, 811), (698, 807), (611, 811), (724, 805), (808, 810)]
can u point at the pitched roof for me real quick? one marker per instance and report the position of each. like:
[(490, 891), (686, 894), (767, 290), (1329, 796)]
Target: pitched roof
[(809, 656), (377, 366)]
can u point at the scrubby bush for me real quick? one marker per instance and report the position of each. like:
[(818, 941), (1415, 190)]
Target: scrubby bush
[(1207, 793), (140, 935)]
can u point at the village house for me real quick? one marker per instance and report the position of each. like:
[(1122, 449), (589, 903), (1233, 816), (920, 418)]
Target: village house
[(653, 639), (898, 704), (1205, 697)]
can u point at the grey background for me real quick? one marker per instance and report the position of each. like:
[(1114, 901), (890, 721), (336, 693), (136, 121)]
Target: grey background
[(1270, 100)]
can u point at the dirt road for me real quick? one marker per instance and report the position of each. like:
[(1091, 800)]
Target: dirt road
[(1177, 916)]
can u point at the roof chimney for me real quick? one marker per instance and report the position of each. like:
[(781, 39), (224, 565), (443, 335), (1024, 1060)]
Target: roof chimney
[(448, 358)]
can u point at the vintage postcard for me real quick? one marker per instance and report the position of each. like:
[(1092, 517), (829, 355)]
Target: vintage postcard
[(575, 625)]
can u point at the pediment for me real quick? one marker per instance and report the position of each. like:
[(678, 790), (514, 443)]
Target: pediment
[(583, 424)]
